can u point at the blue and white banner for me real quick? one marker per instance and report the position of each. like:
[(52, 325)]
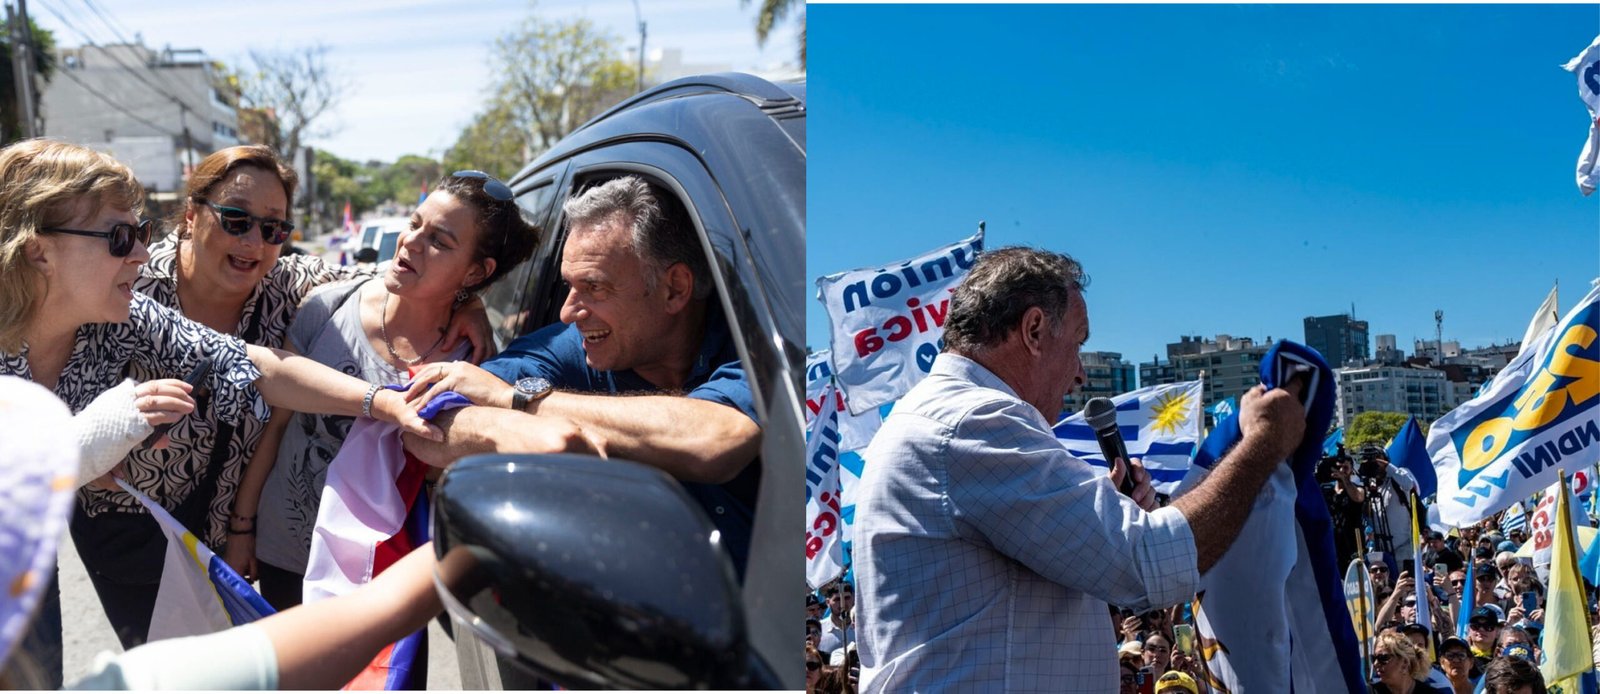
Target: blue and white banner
[(824, 527), (855, 431), (1513, 519), (1273, 616), (887, 323), (199, 593), (1539, 413), (1160, 426), (1223, 409), (1587, 67)]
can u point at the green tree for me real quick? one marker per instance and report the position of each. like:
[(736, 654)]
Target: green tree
[(490, 143), (1375, 427), (771, 13), (44, 65), (553, 75)]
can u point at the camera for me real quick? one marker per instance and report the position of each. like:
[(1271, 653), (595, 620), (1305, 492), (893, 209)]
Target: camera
[(1374, 463), (1325, 467)]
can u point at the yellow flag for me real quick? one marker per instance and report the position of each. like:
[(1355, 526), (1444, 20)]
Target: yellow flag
[(1568, 650)]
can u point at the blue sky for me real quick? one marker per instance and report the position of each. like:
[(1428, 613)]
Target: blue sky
[(419, 67), (1217, 169)]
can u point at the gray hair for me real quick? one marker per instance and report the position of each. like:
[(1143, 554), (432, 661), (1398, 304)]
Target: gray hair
[(1002, 285), (660, 231)]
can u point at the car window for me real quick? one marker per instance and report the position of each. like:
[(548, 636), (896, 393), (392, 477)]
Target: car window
[(386, 247), (501, 298)]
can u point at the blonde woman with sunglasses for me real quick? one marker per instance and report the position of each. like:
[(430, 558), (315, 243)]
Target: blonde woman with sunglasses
[(71, 249)]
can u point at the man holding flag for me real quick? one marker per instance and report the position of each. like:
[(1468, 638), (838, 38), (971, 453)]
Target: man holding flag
[(986, 553)]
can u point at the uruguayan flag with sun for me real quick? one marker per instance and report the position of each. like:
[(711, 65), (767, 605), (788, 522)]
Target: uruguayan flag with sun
[(1160, 426)]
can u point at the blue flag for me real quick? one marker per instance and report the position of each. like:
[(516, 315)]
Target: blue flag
[(1330, 445), (1409, 450)]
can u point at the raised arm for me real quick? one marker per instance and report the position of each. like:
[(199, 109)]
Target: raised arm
[(303, 385)]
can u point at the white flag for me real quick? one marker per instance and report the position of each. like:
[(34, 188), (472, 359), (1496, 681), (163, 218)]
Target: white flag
[(1543, 319), (888, 322), (1160, 426), (1539, 413), (824, 528), (855, 431), (1587, 67)]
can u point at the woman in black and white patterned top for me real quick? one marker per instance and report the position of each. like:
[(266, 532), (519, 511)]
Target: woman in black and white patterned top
[(71, 245), (221, 267)]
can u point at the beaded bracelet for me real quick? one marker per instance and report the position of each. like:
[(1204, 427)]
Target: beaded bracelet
[(366, 402)]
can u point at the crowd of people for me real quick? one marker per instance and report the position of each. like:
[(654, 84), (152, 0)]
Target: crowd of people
[(95, 309), (974, 527)]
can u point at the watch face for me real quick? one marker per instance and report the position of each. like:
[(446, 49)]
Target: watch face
[(533, 385)]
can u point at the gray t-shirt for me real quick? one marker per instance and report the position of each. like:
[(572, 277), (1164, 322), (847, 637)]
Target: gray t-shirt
[(328, 330)]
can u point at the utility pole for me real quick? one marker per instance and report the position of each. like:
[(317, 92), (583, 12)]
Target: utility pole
[(22, 67), (188, 142), (640, 17)]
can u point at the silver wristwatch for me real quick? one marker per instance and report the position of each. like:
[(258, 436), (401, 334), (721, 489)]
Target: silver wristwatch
[(529, 389)]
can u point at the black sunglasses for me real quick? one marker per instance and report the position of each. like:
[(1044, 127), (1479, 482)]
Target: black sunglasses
[(1454, 655), (491, 185), (121, 236), (813, 665), (1381, 658), (237, 222)]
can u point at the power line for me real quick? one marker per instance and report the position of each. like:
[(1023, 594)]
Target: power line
[(137, 74), (106, 20), (113, 104)]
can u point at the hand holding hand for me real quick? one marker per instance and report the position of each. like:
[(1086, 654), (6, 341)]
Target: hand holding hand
[(390, 406), (470, 380)]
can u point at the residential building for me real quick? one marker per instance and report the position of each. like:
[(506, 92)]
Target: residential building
[(159, 112), (1107, 376), (1341, 339), (1230, 366), (1416, 390)]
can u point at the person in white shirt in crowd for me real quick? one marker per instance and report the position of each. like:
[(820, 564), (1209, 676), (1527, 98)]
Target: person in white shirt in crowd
[(986, 554)]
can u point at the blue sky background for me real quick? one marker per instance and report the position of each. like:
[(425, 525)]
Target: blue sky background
[(1217, 169)]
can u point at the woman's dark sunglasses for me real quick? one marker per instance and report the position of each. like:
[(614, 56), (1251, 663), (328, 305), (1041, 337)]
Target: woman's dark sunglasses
[(121, 236), (491, 185), (813, 665), (237, 222), (1381, 658)]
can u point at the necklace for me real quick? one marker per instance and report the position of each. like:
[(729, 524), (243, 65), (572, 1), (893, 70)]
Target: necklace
[(383, 329)]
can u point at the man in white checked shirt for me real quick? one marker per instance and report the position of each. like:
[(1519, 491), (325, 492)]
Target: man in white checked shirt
[(985, 554)]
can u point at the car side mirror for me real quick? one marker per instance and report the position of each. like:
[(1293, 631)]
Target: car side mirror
[(591, 573)]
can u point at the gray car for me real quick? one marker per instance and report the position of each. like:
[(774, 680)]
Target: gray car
[(732, 147)]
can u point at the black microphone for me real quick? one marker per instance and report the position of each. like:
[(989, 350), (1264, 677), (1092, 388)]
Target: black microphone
[(1101, 415)]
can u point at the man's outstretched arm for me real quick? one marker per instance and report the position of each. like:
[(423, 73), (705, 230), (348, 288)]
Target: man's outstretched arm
[(472, 430)]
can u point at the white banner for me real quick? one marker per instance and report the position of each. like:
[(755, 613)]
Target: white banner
[(824, 527), (1160, 426), (1587, 67), (1539, 413), (855, 431), (888, 323)]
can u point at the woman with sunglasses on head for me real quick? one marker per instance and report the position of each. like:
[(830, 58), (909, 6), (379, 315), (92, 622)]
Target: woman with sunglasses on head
[(71, 245), (222, 268), (467, 234)]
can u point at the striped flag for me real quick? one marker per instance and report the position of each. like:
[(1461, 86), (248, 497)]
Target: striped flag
[(199, 593), (373, 513), (1514, 519), (1160, 426)]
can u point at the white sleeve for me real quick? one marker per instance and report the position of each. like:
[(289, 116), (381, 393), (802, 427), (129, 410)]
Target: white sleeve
[(1403, 477), (107, 430), (239, 658)]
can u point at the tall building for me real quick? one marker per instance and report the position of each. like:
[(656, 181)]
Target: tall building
[(1231, 366), (1410, 389), (1341, 339), (156, 111), (1108, 376)]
